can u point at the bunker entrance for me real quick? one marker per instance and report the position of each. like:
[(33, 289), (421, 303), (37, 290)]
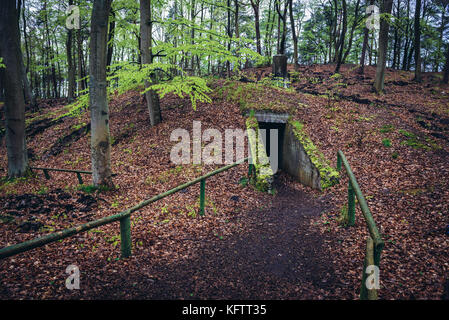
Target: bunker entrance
[(273, 140), (278, 136), (272, 126)]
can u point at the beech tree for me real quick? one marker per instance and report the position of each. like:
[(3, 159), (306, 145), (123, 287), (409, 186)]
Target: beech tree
[(365, 43), (146, 39), (12, 81), (255, 4), (418, 41), (341, 43), (294, 35), (446, 67), (100, 138), (383, 46)]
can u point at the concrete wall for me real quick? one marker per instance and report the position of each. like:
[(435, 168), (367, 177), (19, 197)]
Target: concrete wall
[(296, 162)]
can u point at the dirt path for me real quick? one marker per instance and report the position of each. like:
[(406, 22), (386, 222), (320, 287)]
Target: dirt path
[(280, 256)]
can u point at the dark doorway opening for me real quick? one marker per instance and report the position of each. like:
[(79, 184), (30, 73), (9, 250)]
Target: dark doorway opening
[(271, 145)]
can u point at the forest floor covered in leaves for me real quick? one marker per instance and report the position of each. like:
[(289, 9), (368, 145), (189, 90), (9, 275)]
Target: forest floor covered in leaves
[(397, 144)]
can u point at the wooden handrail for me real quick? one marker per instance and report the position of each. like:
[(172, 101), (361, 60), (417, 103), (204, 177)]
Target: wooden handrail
[(375, 239), (123, 217)]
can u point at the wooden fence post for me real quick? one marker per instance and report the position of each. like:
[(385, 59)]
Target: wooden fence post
[(46, 174), (365, 293), (351, 205), (202, 196), (80, 180), (338, 162), (125, 236)]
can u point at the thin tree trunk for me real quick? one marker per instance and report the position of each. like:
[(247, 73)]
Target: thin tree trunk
[(407, 39), (70, 65), (29, 97), (440, 43), (111, 34), (12, 80), (81, 69), (351, 37), (418, 41), (237, 31), (283, 19), (446, 67), (341, 45), (100, 138), (146, 43), (364, 46), (383, 47), (294, 36), (192, 32), (229, 31), (255, 5)]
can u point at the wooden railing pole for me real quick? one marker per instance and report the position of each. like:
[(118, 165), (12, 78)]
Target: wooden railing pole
[(202, 196), (46, 174), (125, 237), (374, 232), (125, 224), (338, 162), (365, 293), (351, 205), (80, 180)]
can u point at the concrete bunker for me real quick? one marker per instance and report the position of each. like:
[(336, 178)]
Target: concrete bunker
[(294, 156)]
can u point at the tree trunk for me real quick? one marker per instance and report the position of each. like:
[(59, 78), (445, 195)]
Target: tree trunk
[(383, 47), (294, 36), (418, 41), (446, 67), (111, 34), (407, 39), (341, 45), (351, 37), (282, 37), (146, 43), (440, 42), (396, 44), (365, 45), (192, 31), (255, 5), (28, 92), (100, 138), (237, 32), (12, 81), (81, 70), (229, 32), (70, 65)]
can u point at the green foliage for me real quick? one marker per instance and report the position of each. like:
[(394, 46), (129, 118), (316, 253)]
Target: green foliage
[(417, 142), (386, 142), (243, 181), (2, 65), (92, 188), (386, 128), (193, 87)]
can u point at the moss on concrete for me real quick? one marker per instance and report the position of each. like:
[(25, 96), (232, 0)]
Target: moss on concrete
[(329, 176), (263, 172)]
